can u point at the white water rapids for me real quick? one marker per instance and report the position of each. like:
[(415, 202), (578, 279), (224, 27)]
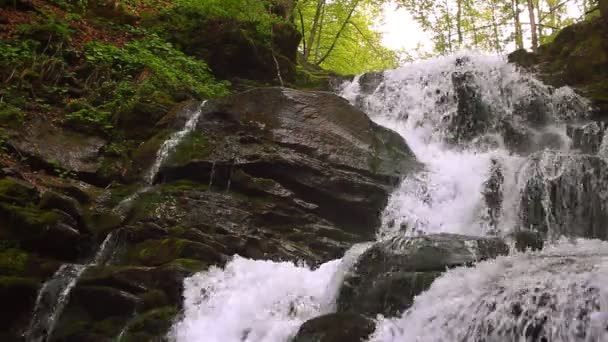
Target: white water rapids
[(264, 301)]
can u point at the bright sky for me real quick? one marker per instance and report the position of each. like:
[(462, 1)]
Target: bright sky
[(400, 30)]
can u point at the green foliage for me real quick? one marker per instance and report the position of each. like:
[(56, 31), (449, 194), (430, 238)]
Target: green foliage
[(159, 64), (49, 30), (339, 36), (188, 13), (10, 115), (86, 117)]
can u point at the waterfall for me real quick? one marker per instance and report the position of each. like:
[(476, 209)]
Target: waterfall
[(54, 293), (172, 142), (486, 134)]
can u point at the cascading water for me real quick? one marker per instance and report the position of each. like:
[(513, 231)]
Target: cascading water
[(54, 293), (481, 128)]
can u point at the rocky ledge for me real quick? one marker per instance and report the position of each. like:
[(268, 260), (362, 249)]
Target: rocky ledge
[(270, 173)]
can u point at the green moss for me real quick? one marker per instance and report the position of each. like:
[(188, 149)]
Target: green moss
[(312, 80), (17, 192), (195, 146), (13, 261), (156, 252), (10, 282), (190, 264), (152, 323), (10, 116)]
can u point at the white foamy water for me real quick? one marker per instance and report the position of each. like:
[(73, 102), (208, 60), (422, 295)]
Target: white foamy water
[(172, 142), (471, 185), (258, 301), (419, 101), (559, 294)]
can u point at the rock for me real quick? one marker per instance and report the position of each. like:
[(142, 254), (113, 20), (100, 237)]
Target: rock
[(388, 276), (472, 117), (313, 144), (370, 81), (102, 302), (336, 327), (523, 58), (234, 49), (152, 325), (528, 240), (53, 200), (565, 195), (18, 296), (587, 138), (61, 150)]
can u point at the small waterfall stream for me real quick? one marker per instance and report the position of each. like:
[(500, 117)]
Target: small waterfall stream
[(480, 127), (54, 293)]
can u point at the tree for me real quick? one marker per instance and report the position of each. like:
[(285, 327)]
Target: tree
[(339, 35)]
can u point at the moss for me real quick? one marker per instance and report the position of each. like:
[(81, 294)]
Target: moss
[(156, 252), (195, 146), (152, 323), (13, 261), (190, 264), (9, 282), (10, 116), (27, 220), (17, 192), (312, 80)]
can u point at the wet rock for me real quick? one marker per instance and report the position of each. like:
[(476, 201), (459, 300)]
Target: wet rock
[(493, 193), (472, 117), (336, 327), (53, 200), (565, 195), (528, 240), (370, 81), (315, 145), (54, 148), (103, 302), (587, 138), (523, 58), (388, 276), (18, 296)]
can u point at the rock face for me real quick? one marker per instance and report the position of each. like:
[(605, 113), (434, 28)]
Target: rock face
[(391, 273), (577, 57), (336, 327), (311, 149), (565, 195), (267, 174)]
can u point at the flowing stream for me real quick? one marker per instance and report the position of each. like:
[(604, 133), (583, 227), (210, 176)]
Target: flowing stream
[(498, 160), (54, 293)]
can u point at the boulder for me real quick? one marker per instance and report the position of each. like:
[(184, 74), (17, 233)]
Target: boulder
[(336, 327), (60, 150), (313, 144), (565, 195), (388, 276)]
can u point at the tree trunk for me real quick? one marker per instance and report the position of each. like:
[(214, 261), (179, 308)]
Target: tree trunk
[(495, 27), (533, 29), (459, 22), (339, 33), (604, 9), (318, 43), (519, 39), (313, 29)]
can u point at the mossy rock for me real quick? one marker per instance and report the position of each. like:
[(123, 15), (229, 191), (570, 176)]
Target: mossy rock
[(17, 296), (195, 146), (159, 252), (13, 261), (152, 325), (17, 192)]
